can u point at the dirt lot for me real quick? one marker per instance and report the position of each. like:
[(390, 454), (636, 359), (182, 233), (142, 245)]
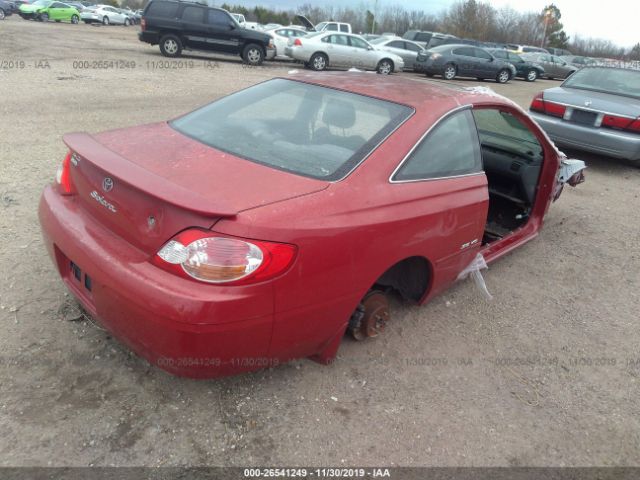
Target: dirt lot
[(545, 374)]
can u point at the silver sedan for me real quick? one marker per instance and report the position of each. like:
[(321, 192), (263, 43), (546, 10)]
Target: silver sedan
[(596, 109), (319, 51), (406, 49)]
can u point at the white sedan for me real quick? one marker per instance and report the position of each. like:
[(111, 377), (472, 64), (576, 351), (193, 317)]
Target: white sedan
[(319, 51), (104, 14), (281, 36)]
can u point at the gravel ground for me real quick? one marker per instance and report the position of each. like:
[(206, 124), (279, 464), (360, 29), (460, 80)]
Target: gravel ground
[(546, 374)]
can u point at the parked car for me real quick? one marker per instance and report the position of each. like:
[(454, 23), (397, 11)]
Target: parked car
[(301, 201), (77, 5), (175, 25), (554, 67), (406, 49), (106, 15), (282, 35), (130, 15), (322, 50), (427, 39), (324, 26), (527, 70), (452, 61), (45, 10), (579, 61), (596, 109), (6, 9)]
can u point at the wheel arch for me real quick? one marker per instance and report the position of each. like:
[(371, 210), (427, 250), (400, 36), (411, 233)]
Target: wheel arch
[(412, 277)]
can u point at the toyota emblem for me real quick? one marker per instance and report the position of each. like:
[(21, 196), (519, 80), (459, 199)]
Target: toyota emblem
[(107, 184)]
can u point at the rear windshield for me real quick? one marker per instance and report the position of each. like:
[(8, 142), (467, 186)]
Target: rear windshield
[(305, 129), (608, 80)]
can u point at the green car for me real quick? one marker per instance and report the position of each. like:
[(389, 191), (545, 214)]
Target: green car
[(45, 10)]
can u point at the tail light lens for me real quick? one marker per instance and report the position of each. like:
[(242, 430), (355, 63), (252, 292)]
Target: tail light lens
[(539, 104), (205, 256), (621, 123), (143, 24), (63, 176), (297, 42)]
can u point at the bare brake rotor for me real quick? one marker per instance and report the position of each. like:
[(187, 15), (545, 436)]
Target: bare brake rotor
[(371, 316)]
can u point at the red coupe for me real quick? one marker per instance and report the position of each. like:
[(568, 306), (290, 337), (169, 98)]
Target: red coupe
[(262, 227)]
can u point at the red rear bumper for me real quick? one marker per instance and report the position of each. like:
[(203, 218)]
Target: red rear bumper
[(182, 326)]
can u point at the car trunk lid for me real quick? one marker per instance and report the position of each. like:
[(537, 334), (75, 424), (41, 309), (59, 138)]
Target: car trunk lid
[(148, 183)]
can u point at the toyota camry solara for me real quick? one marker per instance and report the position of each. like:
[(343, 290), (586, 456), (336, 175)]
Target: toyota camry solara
[(264, 226)]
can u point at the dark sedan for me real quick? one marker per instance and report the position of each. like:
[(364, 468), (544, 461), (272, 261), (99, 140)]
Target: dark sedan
[(527, 70), (452, 61)]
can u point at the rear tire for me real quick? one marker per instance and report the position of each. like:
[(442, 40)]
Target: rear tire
[(44, 17), (2, 14), (531, 75), (449, 72), (170, 46), (75, 19), (253, 54), (105, 20), (126, 22), (503, 76), (385, 67), (318, 62)]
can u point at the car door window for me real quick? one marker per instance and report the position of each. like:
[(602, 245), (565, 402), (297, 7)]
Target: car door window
[(396, 44), (413, 47), (513, 58), (449, 150), (479, 53), (339, 40), (332, 27), (193, 15), (502, 129), (464, 51), (218, 18), (358, 43), (344, 28), (500, 54)]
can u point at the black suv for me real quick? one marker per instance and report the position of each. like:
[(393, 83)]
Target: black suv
[(176, 25)]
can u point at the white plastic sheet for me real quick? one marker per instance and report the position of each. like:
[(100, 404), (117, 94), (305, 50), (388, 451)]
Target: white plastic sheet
[(473, 270)]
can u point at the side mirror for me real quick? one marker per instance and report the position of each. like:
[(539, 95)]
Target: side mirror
[(232, 26)]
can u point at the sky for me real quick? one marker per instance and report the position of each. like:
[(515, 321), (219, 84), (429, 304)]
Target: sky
[(615, 20)]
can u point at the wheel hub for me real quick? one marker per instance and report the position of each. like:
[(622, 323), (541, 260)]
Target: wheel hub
[(371, 316)]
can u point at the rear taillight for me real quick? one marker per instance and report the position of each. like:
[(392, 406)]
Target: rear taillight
[(143, 24), (621, 123), (539, 104), (208, 257), (63, 176), (297, 42)]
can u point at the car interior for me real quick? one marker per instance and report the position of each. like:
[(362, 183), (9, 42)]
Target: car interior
[(512, 159)]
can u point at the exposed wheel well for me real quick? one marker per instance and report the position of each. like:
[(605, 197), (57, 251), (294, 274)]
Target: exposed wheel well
[(411, 277)]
